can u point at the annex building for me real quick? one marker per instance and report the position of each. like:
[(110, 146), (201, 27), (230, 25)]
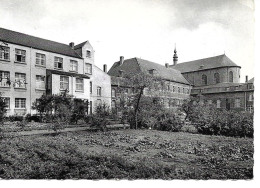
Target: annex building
[(32, 66), (176, 87)]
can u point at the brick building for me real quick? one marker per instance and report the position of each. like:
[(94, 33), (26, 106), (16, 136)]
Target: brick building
[(216, 80), (32, 66), (177, 88)]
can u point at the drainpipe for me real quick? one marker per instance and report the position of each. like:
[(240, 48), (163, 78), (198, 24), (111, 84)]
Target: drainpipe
[(31, 80), (245, 100)]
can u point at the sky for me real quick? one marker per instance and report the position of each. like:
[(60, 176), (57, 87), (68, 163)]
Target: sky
[(148, 29)]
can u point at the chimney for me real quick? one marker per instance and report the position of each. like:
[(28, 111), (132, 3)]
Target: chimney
[(246, 78), (167, 65), (72, 45), (105, 68), (121, 60)]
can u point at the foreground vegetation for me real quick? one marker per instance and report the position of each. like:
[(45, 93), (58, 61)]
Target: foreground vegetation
[(128, 154)]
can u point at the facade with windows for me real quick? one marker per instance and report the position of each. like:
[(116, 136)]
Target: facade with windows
[(174, 90), (31, 67)]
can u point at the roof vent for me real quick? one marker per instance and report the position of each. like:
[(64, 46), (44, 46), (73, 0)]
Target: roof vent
[(201, 66), (167, 65)]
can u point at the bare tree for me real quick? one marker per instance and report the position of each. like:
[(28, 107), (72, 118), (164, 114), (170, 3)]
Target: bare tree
[(140, 82)]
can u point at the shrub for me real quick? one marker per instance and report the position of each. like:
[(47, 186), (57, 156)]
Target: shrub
[(2, 108), (169, 122)]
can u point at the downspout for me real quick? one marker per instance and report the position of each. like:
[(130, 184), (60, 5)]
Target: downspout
[(245, 100), (31, 80)]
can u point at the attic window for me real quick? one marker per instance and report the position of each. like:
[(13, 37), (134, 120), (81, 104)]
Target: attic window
[(201, 66), (121, 73), (152, 71), (88, 53)]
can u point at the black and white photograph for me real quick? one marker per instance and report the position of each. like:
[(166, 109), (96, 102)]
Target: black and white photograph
[(127, 90)]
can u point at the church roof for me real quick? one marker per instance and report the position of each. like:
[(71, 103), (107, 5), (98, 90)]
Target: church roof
[(37, 43), (135, 65), (206, 63)]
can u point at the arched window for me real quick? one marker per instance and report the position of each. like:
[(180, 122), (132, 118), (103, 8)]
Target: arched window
[(216, 78), (230, 76), (204, 79)]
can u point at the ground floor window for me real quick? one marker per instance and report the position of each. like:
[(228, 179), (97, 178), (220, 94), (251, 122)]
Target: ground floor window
[(20, 102), (64, 82), (113, 104), (218, 103), (237, 103), (79, 84), (7, 102)]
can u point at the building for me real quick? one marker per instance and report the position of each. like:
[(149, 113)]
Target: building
[(176, 89), (32, 66), (216, 80)]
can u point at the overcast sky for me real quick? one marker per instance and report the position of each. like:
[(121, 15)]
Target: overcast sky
[(142, 28)]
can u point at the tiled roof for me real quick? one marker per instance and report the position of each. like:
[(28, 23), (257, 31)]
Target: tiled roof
[(118, 81), (207, 63), (80, 45), (37, 43), (135, 65), (251, 80)]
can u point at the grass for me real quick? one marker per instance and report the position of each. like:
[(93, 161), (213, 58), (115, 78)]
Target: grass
[(126, 154)]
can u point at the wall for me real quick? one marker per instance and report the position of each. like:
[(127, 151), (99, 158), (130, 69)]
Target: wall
[(196, 77)]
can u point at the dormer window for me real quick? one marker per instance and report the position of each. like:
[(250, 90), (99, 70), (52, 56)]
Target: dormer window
[(88, 53), (152, 71), (121, 73)]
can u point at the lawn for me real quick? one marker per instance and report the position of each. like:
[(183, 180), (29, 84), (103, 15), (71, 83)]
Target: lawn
[(126, 154)]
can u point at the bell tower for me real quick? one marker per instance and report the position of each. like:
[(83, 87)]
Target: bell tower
[(175, 57)]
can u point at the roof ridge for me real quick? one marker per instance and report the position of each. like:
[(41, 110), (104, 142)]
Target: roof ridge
[(202, 59), (34, 36)]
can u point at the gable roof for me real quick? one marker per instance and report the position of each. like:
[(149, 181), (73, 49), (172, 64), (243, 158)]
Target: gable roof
[(80, 45), (135, 65), (251, 80), (206, 63), (37, 43)]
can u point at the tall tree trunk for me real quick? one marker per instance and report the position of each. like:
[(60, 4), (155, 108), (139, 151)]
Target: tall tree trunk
[(137, 106)]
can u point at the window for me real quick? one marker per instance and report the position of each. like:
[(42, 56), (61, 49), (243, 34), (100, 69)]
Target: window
[(230, 76), (113, 104), (4, 79), (209, 102), (237, 103), (188, 91), (40, 82), (88, 53), (20, 55), (40, 59), (250, 98), (20, 102), (99, 102), (168, 88), (88, 68), (90, 85), (218, 103), (98, 91), (113, 93), (20, 80), (179, 89), (204, 79), (58, 63), (173, 89), (7, 102), (79, 84), (4, 53), (183, 90), (216, 78), (64, 82), (73, 66)]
